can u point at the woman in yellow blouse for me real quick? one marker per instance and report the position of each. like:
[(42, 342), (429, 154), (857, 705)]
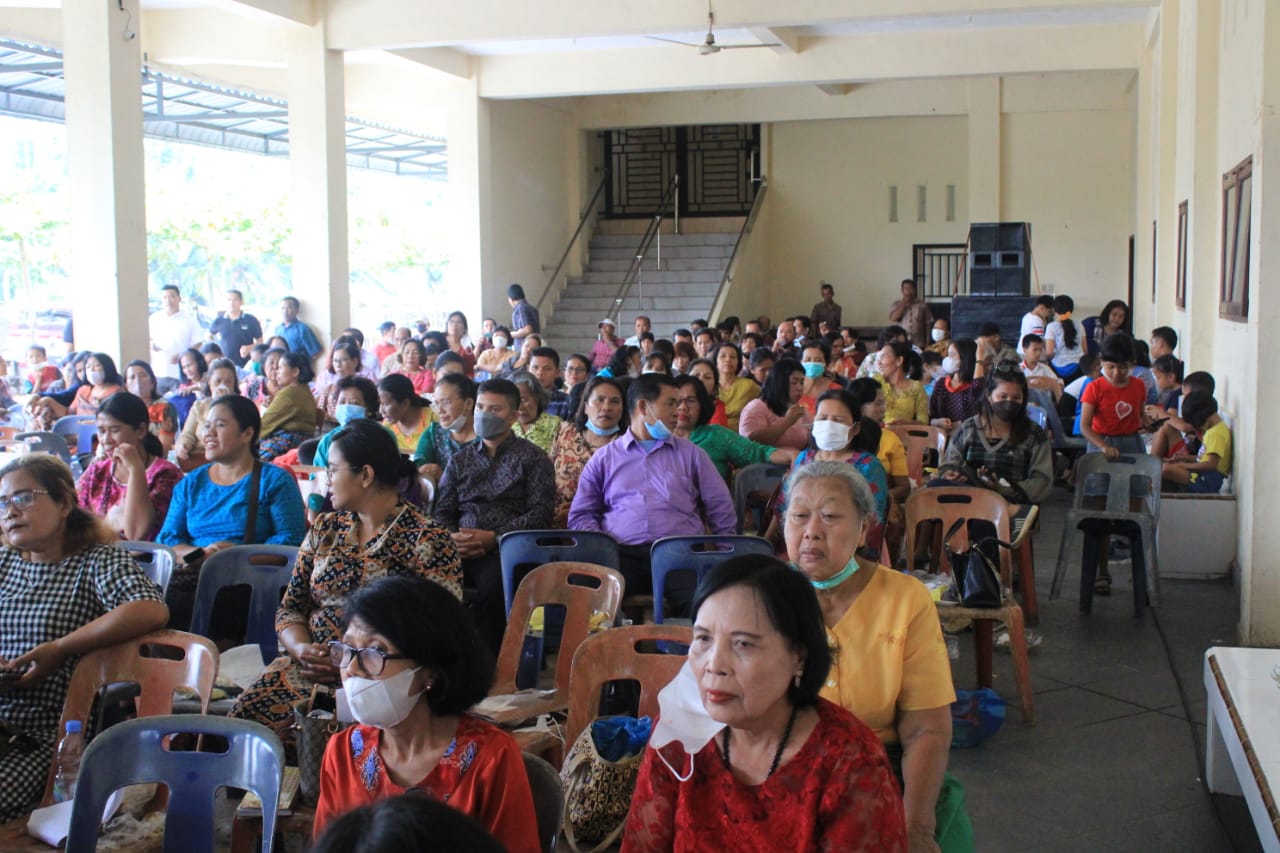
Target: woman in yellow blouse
[(403, 412), (905, 398), (890, 664), (735, 390)]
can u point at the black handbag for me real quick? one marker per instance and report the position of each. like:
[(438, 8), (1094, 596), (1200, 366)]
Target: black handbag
[(977, 570)]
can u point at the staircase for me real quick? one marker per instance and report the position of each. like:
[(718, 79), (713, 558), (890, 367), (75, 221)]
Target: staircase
[(679, 289)]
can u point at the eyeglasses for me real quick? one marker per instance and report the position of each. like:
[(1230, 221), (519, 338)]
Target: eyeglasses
[(1007, 367), (372, 661), (332, 470), (21, 500)]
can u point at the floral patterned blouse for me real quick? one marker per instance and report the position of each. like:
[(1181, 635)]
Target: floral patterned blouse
[(836, 794), (569, 454), (101, 493)]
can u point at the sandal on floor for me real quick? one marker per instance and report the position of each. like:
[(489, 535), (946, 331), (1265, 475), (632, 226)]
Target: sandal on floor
[(1102, 586)]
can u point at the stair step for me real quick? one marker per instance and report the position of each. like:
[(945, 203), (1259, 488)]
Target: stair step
[(628, 254), (652, 277), (621, 265), (630, 241)]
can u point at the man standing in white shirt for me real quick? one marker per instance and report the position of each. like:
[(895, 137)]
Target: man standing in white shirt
[(173, 332), (1035, 320)]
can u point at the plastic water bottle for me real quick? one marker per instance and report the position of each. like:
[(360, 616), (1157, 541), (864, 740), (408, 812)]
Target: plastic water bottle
[(70, 749)]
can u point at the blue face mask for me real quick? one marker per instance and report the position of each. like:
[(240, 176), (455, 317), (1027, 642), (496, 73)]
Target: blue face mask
[(613, 430), (658, 430), (812, 370), (347, 412), (836, 579)]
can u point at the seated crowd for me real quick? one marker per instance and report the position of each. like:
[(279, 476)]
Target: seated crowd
[(435, 444)]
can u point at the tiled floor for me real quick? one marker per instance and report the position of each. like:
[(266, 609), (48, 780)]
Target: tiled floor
[(1113, 763)]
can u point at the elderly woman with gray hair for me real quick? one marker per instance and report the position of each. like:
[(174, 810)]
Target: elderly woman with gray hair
[(532, 421), (890, 665)]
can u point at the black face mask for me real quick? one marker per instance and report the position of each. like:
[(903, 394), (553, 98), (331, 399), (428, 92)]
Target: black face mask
[(1008, 410)]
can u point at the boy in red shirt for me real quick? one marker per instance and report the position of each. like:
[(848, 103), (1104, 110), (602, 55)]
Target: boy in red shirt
[(1112, 412)]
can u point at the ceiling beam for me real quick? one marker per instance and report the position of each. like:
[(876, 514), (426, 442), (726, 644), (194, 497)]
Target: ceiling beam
[(370, 24), (454, 63), (859, 58), (296, 11), (836, 88), (782, 39)]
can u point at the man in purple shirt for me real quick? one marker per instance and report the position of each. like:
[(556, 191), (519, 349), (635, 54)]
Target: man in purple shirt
[(650, 484)]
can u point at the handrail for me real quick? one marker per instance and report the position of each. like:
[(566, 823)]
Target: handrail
[(747, 225), (655, 223), (586, 214)]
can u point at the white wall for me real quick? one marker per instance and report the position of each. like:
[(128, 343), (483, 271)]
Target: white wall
[(531, 150)]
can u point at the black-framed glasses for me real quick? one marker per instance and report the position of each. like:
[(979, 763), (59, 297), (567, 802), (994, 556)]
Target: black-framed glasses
[(1007, 367), (332, 470), (21, 500), (372, 661)]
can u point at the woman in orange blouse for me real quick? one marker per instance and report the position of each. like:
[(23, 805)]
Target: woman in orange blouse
[(410, 682)]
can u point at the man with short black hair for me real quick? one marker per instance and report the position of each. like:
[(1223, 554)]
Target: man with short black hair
[(826, 311), (173, 332), (495, 485), (912, 314), (295, 332), (649, 484), (704, 340), (236, 331), (544, 364), (642, 326), (524, 317)]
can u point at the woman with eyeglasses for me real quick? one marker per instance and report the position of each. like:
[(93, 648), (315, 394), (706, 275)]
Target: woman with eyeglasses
[(371, 533), (410, 681), (725, 446), (453, 428), (66, 590)]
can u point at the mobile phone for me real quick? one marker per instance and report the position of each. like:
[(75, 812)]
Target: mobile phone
[(193, 556), (1157, 423)]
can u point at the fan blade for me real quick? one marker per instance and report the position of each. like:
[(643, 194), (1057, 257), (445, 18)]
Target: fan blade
[(741, 46), (674, 41)]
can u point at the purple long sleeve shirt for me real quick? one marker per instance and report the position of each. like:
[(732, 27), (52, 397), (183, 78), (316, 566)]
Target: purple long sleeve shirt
[(638, 497)]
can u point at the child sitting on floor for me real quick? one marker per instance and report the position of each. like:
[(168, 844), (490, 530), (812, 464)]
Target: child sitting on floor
[(1205, 472), (1177, 437)]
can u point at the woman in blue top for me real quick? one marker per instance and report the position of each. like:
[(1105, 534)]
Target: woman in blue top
[(209, 508)]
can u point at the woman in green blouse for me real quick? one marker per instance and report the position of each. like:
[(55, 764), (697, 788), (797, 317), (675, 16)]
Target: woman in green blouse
[(724, 446), (532, 421)]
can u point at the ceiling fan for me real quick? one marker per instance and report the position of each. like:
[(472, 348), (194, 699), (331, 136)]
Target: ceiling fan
[(709, 46)]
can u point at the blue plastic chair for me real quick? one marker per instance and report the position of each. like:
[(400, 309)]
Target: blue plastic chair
[(157, 560), (135, 752), (46, 442), (696, 554), (539, 547), (1038, 416), (266, 570), (83, 427)]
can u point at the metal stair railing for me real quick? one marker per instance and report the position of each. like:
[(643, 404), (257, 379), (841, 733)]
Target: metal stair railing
[(722, 292), (655, 224)]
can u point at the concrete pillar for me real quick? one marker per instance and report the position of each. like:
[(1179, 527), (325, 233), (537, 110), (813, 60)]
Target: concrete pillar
[(984, 149), (1260, 500), (1203, 260), (318, 195), (103, 64), (471, 289), (1166, 199)]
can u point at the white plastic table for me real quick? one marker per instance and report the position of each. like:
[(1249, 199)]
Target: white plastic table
[(1242, 752)]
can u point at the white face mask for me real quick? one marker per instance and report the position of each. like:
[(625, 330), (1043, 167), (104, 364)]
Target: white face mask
[(950, 366), (381, 704), (939, 335), (831, 435), (683, 719), (500, 342)]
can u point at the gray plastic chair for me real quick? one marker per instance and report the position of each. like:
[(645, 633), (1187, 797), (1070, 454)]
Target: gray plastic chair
[(157, 560), (135, 752), (1127, 479), (548, 799), (762, 477), (46, 442)]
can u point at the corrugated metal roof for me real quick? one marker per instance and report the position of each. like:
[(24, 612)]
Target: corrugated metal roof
[(32, 86)]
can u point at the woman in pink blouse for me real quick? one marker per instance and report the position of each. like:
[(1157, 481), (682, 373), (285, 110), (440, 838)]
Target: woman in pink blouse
[(130, 483), (777, 419)]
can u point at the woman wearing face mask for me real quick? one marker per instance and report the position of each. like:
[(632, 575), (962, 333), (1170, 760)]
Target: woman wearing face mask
[(291, 417), (704, 371), (725, 447), (371, 533), (601, 418), (814, 358), (403, 412), (746, 755), (958, 396), (533, 423), (222, 381), (905, 400), (777, 419), (901, 689), (491, 361), (344, 361), (841, 434), (940, 336), (130, 483), (101, 380), (453, 428), (736, 390), (357, 399), (140, 381), (410, 682), (1000, 448)]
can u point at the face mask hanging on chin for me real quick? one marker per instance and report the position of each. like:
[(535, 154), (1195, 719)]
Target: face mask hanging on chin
[(683, 719)]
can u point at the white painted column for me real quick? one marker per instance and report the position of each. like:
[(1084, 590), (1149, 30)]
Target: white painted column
[(103, 65), (318, 195), (1166, 199), (1205, 202), (1260, 504), (469, 198), (984, 149)]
